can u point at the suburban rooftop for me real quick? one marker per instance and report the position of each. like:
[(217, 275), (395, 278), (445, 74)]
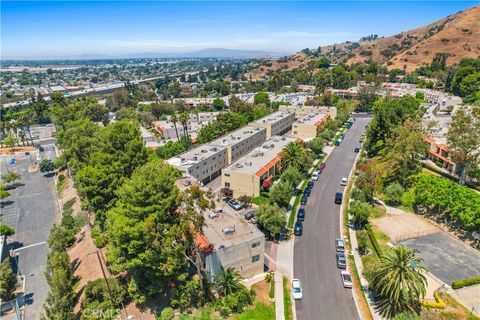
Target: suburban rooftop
[(256, 159), (214, 230), (274, 117), (312, 118), (236, 136)]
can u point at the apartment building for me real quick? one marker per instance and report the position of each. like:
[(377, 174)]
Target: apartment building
[(307, 126), (438, 153), (240, 142), (255, 170), (204, 163), (277, 123), (301, 111), (230, 241)]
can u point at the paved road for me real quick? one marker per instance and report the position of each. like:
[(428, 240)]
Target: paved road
[(314, 257), (31, 211)]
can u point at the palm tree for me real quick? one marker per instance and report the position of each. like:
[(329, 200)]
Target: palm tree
[(228, 281), (174, 120), (293, 155), (399, 282), (184, 117)]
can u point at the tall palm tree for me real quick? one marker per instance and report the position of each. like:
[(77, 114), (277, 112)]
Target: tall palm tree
[(174, 120), (228, 281), (399, 282), (183, 118), (293, 155)]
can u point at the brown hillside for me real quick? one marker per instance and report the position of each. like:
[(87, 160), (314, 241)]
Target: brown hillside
[(457, 34)]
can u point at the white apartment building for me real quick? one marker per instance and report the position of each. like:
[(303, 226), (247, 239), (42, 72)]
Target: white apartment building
[(306, 127), (277, 123), (301, 111)]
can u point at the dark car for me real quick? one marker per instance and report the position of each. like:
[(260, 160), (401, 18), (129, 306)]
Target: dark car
[(301, 214), (250, 214), (298, 228), (341, 262), (304, 199), (337, 143), (307, 192), (342, 136), (357, 150), (310, 184), (338, 197)]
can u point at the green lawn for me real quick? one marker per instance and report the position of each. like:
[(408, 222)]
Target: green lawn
[(260, 200), (287, 301), (259, 311)]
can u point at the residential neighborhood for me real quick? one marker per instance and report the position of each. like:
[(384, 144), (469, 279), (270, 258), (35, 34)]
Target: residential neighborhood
[(240, 161)]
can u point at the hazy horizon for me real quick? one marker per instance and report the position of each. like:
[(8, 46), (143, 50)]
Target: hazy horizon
[(58, 30)]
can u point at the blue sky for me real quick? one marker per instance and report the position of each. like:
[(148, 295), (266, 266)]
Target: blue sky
[(58, 29)]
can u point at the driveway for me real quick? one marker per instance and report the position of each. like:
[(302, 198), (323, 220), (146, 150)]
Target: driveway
[(31, 211), (314, 257), (447, 258)]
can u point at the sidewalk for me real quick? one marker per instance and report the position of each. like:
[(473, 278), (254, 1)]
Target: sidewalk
[(279, 308)]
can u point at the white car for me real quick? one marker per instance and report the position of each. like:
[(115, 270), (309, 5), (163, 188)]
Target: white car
[(297, 292), (315, 175), (346, 279), (344, 181)]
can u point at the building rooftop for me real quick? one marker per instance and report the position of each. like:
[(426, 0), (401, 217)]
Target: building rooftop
[(274, 117), (228, 229), (195, 155), (312, 118), (260, 157), (235, 137)]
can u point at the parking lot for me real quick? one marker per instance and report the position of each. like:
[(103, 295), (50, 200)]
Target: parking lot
[(445, 257), (31, 210)]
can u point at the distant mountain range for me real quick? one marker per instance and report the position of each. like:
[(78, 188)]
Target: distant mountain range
[(203, 53)]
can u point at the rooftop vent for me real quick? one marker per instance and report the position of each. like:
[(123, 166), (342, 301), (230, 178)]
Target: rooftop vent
[(204, 150), (248, 163), (238, 165), (195, 158), (182, 159)]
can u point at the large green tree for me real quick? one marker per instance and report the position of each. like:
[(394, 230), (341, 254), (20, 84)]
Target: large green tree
[(8, 280), (399, 282), (272, 217), (228, 281), (281, 192), (295, 155), (464, 140), (148, 237)]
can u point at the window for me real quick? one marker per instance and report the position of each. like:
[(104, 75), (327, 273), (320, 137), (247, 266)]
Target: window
[(255, 258), (256, 244), (227, 174)]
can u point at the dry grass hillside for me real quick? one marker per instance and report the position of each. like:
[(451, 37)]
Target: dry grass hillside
[(457, 34)]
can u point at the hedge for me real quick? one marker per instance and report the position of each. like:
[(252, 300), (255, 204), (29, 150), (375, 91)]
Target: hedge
[(457, 284), (375, 244), (438, 304)]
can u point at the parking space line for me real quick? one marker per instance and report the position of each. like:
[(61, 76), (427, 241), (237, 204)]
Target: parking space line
[(32, 245)]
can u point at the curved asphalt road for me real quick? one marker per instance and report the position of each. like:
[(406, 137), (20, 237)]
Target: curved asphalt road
[(314, 258)]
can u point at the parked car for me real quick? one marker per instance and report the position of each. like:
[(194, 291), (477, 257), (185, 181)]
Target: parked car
[(297, 291), (341, 262), (338, 197), (339, 245), (250, 214), (304, 199), (346, 279), (307, 192), (315, 175), (357, 149), (337, 143), (344, 181), (298, 228), (234, 204), (323, 165), (301, 214), (310, 184)]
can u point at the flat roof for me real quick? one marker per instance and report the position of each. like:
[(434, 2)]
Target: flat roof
[(312, 118), (206, 150), (236, 136), (259, 157), (214, 230), (274, 117)]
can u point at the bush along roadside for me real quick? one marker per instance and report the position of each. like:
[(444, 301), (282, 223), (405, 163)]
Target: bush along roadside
[(374, 241), (438, 304), (457, 284)]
